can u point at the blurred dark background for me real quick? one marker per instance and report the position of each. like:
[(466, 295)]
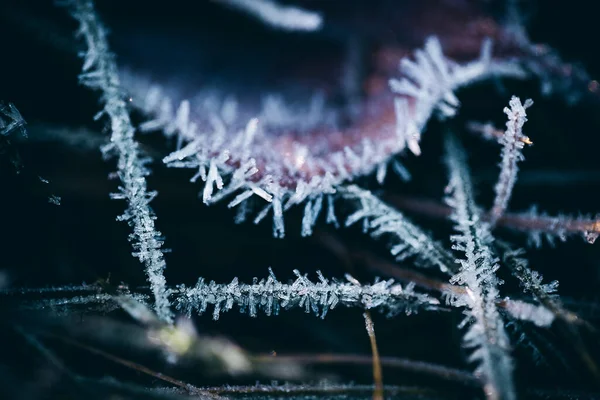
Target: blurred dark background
[(79, 241)]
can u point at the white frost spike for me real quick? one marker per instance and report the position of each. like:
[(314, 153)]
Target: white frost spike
[(331, 218), (213, 178), (242, 213), (163, 115), (413, 144), (272, 296), (300, 172), (278, 226), (278, 16), (352, 158), (250, 132), (10, 119), (153, 97), (263, 213), (538, 315), (299, 195), (431, 80)]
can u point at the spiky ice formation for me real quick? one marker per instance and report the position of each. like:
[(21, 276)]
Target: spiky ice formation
[(271, 295)]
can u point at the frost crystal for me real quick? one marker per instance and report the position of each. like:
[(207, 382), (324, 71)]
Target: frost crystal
[(278, 16), (408, 239), (540, 225), (430, 81), (544, 293), (100, 73), (280, 151), (512, 142), (271, 296), (485, 334), (10, 119)]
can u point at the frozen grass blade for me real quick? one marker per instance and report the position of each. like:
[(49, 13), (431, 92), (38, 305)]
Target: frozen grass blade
[(278, 16), (271, 295), (485, 333), (100, 73), (512, 141)]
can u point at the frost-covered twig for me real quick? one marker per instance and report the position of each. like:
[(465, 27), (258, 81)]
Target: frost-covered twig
[(271, 296), (100, 73), (410, 240), (288, 18), (512, 141), (486, 332)]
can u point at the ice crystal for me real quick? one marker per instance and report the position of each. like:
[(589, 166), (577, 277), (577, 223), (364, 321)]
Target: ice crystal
[(431, 80), (485, 332), (304, 149), (271, 296), (100, 73)]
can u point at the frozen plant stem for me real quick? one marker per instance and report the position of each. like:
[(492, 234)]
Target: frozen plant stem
[(377, 375), (271, 295), (485, 333), (512, 141), (99, 72), (408, 239), (278, 16)]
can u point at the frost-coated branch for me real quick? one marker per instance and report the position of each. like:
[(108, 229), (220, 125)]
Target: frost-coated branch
[(486, 334), (409, 240), (271, 296), (99, 72), (512, 142)]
